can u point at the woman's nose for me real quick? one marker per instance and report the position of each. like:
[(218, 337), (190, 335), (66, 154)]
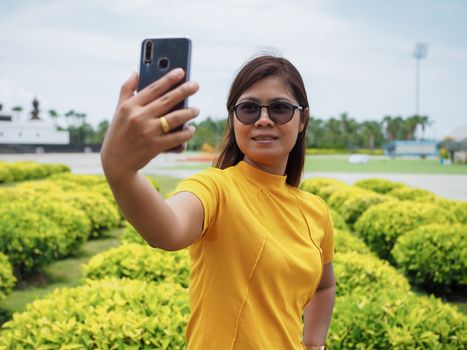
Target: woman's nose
[(264, 119)]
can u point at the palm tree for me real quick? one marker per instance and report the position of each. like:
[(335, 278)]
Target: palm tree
[(69, 115), (372, 132), (54, 116)]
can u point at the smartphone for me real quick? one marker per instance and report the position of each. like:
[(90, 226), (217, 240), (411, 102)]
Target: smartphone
[(158, 57)]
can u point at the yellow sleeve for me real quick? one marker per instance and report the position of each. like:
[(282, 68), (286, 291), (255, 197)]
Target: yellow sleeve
[(206, 186), (327, 245)]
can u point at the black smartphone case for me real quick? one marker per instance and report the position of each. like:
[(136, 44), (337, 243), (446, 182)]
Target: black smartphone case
[(177, 51)]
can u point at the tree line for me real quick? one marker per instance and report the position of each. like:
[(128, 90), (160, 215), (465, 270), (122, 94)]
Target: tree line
[(343, 132)]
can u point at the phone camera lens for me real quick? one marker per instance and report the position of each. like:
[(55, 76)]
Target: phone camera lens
[(163, 63), (148, 52)]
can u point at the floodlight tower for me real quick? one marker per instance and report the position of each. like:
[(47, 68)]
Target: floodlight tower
[(420, 52)]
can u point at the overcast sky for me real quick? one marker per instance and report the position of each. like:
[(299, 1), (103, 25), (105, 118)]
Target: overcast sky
[(354, 56)]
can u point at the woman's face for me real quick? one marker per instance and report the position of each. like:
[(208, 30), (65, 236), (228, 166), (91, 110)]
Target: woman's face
[(267, 145)]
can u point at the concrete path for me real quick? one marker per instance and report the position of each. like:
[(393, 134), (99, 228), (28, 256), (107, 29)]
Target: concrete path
[(447, 186)]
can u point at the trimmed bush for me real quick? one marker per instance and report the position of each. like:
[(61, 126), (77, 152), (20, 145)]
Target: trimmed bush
[(5, 174), (351, 202), (347, 242), (102, 314), (83, 180), (97, 208), (337, 220), (458, 208), (74, 224), (366, 274), (381, 186), (26, 170), (412, 194), (7, 279), (434, 257), (130, 235), (382, 224), (137, 261), (395, 320), (317, 184), (30, 240)]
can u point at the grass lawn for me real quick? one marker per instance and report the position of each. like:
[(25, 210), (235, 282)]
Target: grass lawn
[(377, 164)]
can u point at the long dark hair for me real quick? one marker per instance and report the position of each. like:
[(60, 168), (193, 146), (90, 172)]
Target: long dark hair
[(256, 69)]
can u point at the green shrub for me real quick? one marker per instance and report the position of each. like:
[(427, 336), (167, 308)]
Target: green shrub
[(28, 189), (316, 184), (137, 261), (74, 224), (130, 235), (347, 242), (366, 274), (458, 208), (382, 224), (412, 194), (395, 320), (84, 180), (434, 257), (7, 279), (351, 202), (5, 174), (102, 314), (27, 170), (337, 220), (381, 186), (30, 240), (97, 208)]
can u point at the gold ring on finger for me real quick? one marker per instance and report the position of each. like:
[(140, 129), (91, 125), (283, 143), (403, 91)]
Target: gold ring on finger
[(165, 126)]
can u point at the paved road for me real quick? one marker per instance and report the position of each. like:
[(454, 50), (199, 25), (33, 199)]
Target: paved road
[(447, 186)]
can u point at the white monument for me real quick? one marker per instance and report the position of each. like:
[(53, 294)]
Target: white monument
[(34, 131)]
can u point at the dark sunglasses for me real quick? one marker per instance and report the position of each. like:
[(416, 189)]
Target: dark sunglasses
[(279, 112)]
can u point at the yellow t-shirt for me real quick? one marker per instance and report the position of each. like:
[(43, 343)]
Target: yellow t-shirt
[(258, 261)]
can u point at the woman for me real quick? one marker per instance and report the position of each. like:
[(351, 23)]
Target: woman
[(261, 249)]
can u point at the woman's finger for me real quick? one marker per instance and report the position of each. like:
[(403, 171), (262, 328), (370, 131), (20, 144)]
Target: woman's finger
[(177, 118), (165, 103), (174, 139), (128, 88), (159, 87)]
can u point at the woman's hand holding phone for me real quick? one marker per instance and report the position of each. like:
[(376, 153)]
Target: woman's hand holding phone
[(136, 134)]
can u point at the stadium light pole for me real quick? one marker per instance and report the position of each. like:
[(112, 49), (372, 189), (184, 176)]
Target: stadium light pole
[(420, 52)]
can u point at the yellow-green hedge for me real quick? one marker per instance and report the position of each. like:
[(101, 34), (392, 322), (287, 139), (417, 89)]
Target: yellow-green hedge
[(391, 319), (137, 261), (7, 279), (347, 242), (98, 209), (27, 170), (407, 193), (29, 239), (337, 220), (322, 186), (103, 314), (382, 224), (382, 186), (366, 273), (434, 257), (351, 202)]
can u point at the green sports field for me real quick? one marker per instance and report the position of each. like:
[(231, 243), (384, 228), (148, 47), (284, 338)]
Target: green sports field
[(375, 164)]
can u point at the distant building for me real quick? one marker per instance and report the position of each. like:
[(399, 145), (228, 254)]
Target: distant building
[(33, 134), (412, 148)]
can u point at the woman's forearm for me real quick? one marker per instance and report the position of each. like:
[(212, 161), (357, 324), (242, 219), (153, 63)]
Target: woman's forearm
[(317, 316)]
